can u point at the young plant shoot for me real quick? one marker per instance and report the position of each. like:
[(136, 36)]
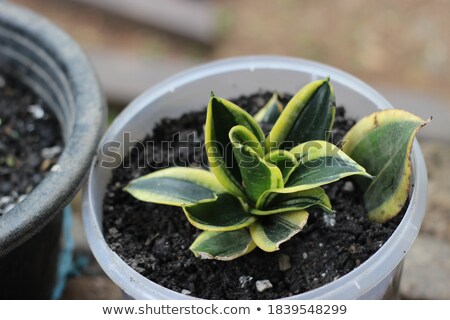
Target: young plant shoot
[(259, 188)]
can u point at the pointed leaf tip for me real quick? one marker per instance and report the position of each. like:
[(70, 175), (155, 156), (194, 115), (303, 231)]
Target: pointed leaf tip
[(271, 111), (309, 115)]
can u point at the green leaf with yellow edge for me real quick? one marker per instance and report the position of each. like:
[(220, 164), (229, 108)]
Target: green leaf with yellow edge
[(319, 163), (271, 231), (240, 135), (301, 200), (257, 175), (225, 214), (271, 110), (222, 115), (284, 160), (382, 143), (224, 246), (309, 115), (176, 187)]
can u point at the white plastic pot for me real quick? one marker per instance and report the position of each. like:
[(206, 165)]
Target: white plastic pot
[(374, 279)]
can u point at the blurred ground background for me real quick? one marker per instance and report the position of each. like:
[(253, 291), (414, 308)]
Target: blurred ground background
[(402, 48)]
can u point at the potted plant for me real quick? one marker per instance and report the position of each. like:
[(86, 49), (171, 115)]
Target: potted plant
[(266, 200), (53, 114)]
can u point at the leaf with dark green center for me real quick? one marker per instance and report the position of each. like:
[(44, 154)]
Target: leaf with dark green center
[(271, 231), (241, 135), (225, 214), (271, 110), (257, 175), (222, 115), (320, 163), (309, 115), (301, 200), (284, 160), (224, 246), (382, 143), (176, 187)]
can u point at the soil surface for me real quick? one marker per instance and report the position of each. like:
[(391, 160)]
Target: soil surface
[(154, 239), (30, 141)]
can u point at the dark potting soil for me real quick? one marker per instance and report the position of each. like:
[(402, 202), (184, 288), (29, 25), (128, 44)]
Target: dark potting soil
[(154, 239), (30, 141)]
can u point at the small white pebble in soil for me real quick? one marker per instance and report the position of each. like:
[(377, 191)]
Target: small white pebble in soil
[(315, 279), (186, 292), (56, 168), (45, 165), (260, 101), (263, 285), (6, 200), (352, 249), (329, 219), (305, 255), (323, 275), (245, 280), (30, 127), (37, 111), (348, 186), (320, 244), (113, 231), (284, 262), (204, 256), (50, 153)]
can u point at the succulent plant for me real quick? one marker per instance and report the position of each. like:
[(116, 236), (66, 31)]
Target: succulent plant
[(259, 188)]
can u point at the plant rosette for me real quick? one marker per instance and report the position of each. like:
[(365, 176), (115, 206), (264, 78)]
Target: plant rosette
[(260, 188)]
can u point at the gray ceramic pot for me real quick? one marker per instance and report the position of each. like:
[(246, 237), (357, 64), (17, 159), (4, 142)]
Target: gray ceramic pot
[(51, 63)]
